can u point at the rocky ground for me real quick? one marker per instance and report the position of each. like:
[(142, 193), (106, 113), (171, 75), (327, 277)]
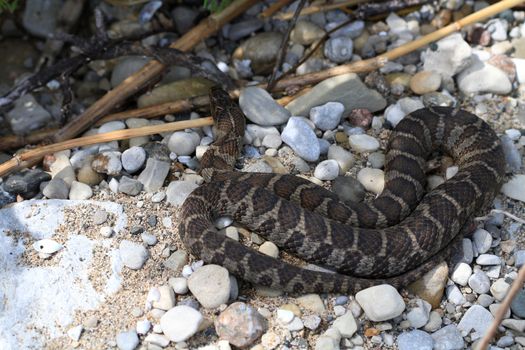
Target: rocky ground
[(91, 257)]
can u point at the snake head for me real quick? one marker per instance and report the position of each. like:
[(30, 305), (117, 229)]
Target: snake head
[(219, 99), (229, 120)]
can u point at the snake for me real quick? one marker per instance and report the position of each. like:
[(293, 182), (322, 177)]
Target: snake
[(393, 239)]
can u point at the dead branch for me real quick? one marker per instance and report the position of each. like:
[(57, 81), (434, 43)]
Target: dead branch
[(284, 47), (503, 308)]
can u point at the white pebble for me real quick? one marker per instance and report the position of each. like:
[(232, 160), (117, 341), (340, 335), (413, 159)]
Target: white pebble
[(327, 170), (363, 143), (180, 323), (373, 180)]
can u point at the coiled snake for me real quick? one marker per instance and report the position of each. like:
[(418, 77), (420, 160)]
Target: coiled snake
[(393, 239)]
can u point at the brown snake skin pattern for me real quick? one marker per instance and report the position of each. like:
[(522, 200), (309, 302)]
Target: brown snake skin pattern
[(393, 239)]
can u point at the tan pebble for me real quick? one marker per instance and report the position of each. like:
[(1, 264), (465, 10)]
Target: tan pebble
[(425, 82), (293, 308)]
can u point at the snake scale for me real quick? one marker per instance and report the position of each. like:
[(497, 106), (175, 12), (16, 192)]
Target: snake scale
[(395, 238)]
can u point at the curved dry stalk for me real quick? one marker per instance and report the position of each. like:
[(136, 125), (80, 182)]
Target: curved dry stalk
[(503, 308)]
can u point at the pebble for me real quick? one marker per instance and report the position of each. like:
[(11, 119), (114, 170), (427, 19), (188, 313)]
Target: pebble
[(425, 82), (111, 126), (449, 56), (143, 326), (461, 274), (419, 315), (327, 170), (488, 259), (75, 332), (126, 67), (482, 77), (156, 339), (415, 340), (339, 49), (129, 186), (515, 187), (148, 238), (377, 160), (179, 284), (27, 115), (373, 180), (270, 340), (493, 308), (306, 32), (505, 341), (133, 255), (177, 191), (26, 183), (346, 325), (261, 49), (482, 240), (80, 191), (269, 249), (56, 189), (432, 285), (363, 143), (210, 284), (107, 163), (180, 323), (347, 89), (127, 340), (327, 116), (295, 325), (381, 303), (312, 322), (476, 318), (396, 112), (512, 154), (312, 302), (448, 338), (434, 322), (285, 316), (240, 324), (479, 282), (517, 325), (499, 289), (301, 138), (183, 143), (455, 296), (133, 159), (260, 108), (154, 174), (518, 304), (344, 159)]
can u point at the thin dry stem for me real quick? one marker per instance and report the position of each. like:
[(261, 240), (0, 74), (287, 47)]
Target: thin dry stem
[(20, 159), (503, 308)]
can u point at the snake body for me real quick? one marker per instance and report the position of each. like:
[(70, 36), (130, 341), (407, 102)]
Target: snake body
[(393, 239)]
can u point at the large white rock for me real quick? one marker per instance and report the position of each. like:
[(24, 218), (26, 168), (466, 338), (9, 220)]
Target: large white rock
[(180, 323), (381, 303)]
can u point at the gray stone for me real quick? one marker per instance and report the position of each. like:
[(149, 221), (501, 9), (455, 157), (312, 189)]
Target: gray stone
[(80, 191), (183, 18), (27, 115), (482, 240), (346, 325), (519, 258), (512, 154), (448, 338), (243, 29), (339, 49), (450, 57), (301, 138), (260, 108), (415, 340), (210, 284), (515, 187), (455, 296), (327, 170), (129, 186), (482, 77), (180, 323), (381, 302), (261, 49), (133, 255), (476, 318), (40, 18), (488, 259), (419, 315), (56, 189), (183, 143), (327, 116), (479, 282), (127, 340), (363, 143), (461, 274), (177, 191), (306, 32), (176, 261), (113, 125), (153, 176), (133, 159), (346, 88)]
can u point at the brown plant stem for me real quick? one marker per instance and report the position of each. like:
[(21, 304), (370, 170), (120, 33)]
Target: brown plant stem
[(21, 160), (503, 308)]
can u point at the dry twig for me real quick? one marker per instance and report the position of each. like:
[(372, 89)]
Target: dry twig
[(503, 308), (284, 47)]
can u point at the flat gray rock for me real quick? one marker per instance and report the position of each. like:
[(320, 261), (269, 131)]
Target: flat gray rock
[(346, 88), (260, 107)]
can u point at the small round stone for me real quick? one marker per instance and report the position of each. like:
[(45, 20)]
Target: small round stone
[(327, 116), (269, 249), (425, 82), (381, 302), (127, 340), (461, 274), (133, 159), (373, 180), (210, 284), (80, 191), (180, 323), (327, 170), (179, 284), (363, 143), (344, 158), (240, 324), (415, 340), (106, 231), (133, 255), (339, 49), (479, 282), (183, 143)]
